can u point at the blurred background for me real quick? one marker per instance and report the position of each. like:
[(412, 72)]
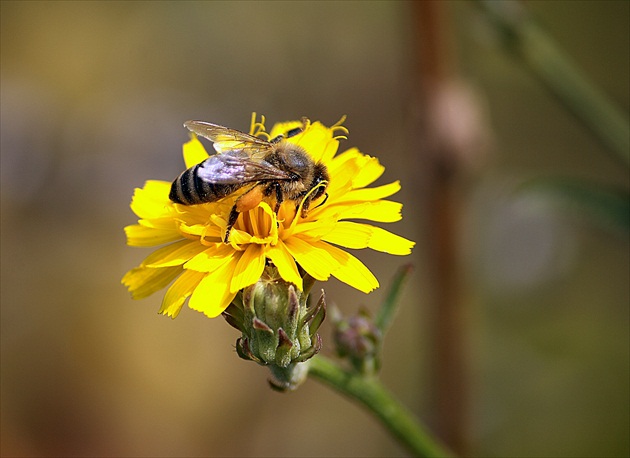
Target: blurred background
[(93, 97)]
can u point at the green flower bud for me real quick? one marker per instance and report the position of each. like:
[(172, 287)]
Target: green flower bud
[(278, 328)]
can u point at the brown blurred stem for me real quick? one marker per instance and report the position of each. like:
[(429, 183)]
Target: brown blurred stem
[(448, 374)]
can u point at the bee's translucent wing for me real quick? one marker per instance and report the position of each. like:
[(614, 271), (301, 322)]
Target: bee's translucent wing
[(225, 139), (233, 167)]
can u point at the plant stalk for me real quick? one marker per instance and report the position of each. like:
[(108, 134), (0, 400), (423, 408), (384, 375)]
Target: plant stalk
[(525, 38), (369, 392)]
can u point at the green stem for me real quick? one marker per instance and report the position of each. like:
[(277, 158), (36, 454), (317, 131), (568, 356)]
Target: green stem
[(369, 392), (522, 35)]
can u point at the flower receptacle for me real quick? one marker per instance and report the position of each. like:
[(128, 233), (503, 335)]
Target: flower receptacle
[(278, 328)]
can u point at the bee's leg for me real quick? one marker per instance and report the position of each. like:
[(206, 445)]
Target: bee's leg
[(277, 139), (323, 201), (271, 188), (304, 210), (231, 222), (279, 197), (292, 132), (246, 202), (308, 201), (305, 206)]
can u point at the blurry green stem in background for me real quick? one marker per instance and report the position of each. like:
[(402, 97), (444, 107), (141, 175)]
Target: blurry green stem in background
[(369, 392), (525, 38), (389, 307)]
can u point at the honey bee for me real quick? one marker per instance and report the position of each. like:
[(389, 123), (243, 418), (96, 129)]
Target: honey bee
[(275, 168)]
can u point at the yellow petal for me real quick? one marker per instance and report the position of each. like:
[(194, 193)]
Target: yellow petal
[(316, 261), (341, 180), (387, 242), (280, 128), (212, 295), (179, 291), (262, 223), (371, 194), (138, 235), (152, 200), (315, 229), (160, 253), (328, 151), (349, 235), (342, 160), (202, 230), (349, 269), (285, 263), (167, 223), (382, 211), (369, 171), (212, 258), (144, 281), (249, 267), (318, 141), (194, 152), (357, 235), (364, 169), (159, 189), (175, 254)]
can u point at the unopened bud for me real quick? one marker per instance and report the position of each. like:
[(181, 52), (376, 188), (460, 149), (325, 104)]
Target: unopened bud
[(358, 339), (278, 329)]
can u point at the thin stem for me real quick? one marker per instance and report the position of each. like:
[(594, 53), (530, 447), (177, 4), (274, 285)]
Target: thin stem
[(373, 396)]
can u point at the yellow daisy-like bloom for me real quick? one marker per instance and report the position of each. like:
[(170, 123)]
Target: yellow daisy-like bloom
[(211, 273)]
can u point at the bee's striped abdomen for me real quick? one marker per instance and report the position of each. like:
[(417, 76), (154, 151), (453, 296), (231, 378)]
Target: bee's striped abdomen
[(183, 189), (189, 189)]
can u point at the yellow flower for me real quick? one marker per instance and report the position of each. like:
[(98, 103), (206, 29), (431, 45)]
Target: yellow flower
[(211, 273)]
